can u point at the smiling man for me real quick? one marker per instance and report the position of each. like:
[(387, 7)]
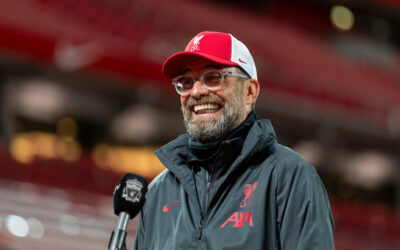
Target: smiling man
[(229, 184), (215, 107)]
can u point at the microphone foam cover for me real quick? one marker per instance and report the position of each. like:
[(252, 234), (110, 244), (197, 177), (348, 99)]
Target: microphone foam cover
[(129, 194)]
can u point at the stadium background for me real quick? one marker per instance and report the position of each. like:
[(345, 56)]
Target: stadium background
[(82, 101)]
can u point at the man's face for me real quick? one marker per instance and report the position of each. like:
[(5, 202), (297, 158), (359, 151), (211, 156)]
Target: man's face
[(208, 115)]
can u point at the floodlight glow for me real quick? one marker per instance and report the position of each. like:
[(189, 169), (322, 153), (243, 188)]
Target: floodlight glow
[(70, 225), (36, 228), (17, 225), (342, 17)]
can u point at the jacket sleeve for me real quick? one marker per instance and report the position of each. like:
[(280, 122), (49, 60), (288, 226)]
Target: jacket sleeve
[(139, 242), (304, 215)]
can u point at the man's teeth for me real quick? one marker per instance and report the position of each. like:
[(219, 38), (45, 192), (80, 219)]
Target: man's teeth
[(203, 107)]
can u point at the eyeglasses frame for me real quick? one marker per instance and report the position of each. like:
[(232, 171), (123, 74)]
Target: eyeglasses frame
[(201, 78)]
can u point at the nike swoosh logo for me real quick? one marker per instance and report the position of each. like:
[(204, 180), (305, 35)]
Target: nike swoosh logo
[(166, 209), (240, 60)]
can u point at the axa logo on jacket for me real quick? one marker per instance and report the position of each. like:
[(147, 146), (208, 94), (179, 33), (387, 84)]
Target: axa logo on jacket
[(239, 218)]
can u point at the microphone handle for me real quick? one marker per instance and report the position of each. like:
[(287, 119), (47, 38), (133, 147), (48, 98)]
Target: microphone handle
[(117, 241)]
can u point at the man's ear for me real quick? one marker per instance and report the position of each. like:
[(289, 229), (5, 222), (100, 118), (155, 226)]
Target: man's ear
[(253, 90)]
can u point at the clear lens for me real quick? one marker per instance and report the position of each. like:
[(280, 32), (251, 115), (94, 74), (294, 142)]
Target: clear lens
[(184, 84), (210, 80), (213, 79)]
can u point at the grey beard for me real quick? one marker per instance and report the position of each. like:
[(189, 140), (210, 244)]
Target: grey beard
[(208, 130)]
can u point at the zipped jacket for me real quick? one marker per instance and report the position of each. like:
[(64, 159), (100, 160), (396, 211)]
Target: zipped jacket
[(260, 195)]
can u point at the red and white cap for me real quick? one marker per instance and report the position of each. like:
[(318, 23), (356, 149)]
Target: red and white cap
[(221, 48)]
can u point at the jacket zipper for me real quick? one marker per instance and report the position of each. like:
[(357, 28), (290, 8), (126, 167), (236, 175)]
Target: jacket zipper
[(205, 202), (206, 196)]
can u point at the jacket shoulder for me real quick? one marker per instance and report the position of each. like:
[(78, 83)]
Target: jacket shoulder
[(158, 180), (155, 185), (291, 163), (294, 171), (287, 156)]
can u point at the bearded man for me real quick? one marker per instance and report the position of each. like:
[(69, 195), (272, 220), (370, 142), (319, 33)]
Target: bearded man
[(229, 184)]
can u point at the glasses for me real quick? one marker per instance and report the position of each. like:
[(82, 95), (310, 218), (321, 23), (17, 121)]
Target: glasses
[(211, 80)]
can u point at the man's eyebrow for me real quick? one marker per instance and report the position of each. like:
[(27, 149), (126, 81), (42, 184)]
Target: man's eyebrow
[(207, 66)]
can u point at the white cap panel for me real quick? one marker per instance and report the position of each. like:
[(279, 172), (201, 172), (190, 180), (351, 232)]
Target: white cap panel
[(241, 55)]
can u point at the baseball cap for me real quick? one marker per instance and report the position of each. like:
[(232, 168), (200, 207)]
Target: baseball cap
[(218, 47)]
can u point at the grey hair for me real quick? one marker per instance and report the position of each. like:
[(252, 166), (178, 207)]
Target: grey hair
[(241, 71)]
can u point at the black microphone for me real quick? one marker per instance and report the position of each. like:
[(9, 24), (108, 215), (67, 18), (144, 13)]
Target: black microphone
[(129, 198)]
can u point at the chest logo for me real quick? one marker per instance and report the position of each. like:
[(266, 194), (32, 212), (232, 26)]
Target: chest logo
[(166, 209), (248, 194), (238, 219)]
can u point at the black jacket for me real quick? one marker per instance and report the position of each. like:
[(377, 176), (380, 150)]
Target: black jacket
[(261, 195)]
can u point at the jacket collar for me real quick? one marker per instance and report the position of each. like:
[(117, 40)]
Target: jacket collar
[(205, 153), (173, 154)]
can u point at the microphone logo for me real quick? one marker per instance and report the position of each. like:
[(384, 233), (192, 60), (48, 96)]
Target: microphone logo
[(132, 191)]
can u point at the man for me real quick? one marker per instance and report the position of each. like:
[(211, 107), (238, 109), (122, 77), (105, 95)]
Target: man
[(228, 183)]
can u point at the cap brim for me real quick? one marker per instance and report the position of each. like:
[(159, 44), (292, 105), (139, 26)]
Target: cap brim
[(173, 66)]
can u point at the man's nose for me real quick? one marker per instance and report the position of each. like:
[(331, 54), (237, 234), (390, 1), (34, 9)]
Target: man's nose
[(198, 89)]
